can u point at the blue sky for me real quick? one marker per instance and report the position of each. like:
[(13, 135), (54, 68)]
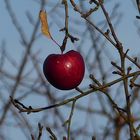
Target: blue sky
[(126, 31)]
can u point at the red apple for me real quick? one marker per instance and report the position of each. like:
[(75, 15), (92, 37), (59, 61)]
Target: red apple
[(64, 71)]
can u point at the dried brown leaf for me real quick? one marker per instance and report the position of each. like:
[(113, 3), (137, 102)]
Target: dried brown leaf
[(44, 23)]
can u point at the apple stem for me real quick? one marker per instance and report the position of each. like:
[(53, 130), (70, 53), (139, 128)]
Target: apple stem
[(55, 41), (57, 45)]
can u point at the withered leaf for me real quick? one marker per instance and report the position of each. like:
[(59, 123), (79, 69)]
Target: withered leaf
[(44, 23)]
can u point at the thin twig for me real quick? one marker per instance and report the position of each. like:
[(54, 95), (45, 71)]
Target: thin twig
[(70, 119), (52, 135), (29, 109)]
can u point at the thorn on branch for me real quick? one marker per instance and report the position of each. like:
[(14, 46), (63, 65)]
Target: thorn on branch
[(116, 66), (87, 14), (79, 90), (63, 29), (117, 72), (135, 59), (93, 1), (40, 127), (91, 76), (72, 38), (138, 17), (65, 123), (107, 32), (128, 70), (92, 86), (126, 53), (52, 135), (21, 107), (132, 81)]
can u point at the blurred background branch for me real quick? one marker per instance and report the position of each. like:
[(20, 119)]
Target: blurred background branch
[(100, 108)]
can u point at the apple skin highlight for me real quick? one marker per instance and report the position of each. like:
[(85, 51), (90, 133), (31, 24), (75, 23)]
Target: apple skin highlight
[(64, 71)]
